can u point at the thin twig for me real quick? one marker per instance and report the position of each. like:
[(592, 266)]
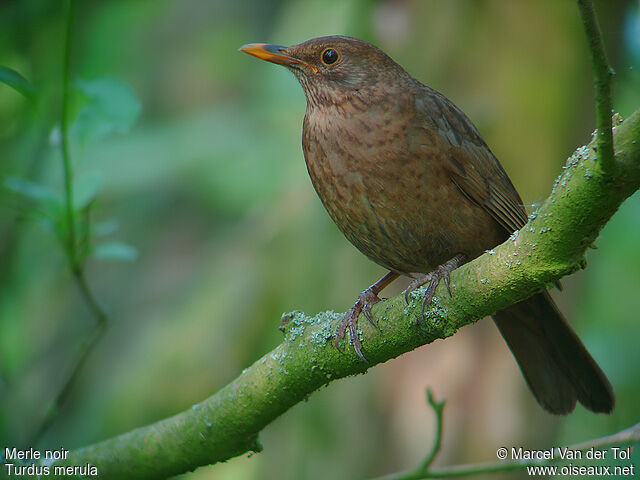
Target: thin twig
[(90, 300), (602, 75), (75, 260), (66, 151), (624, 437), (438, 408), (54, 409)]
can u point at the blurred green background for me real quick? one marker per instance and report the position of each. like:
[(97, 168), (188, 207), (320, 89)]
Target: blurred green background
[(210, 187)]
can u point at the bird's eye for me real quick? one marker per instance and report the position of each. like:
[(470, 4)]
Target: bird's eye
[(329, 56)]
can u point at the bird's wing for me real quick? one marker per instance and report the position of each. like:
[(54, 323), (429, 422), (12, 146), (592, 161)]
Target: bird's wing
[(472, 166)]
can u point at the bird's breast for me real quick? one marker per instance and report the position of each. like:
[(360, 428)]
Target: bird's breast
[(389, 198)]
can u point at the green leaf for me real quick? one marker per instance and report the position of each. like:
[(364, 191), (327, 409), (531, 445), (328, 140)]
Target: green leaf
[(115, 251), (16, 81), (33, 191), (85, 189), (106, 227), (110, 106)]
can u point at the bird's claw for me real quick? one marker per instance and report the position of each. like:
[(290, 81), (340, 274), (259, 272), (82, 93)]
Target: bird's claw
[(443, 272), (363, 305)]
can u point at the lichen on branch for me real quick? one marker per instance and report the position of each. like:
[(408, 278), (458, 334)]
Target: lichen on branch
[(551, 245)]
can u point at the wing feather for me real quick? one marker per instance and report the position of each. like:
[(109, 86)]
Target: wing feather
[(473, 167)]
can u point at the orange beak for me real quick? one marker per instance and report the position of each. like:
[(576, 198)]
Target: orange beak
[(274, 54)]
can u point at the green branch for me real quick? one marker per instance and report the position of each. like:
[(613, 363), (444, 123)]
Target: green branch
[(227, 424), (602, 74)]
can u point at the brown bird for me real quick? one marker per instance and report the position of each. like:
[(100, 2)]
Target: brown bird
[(410, 182)]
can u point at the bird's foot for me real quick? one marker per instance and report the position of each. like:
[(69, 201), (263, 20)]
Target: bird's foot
[(365, 301), (442, 272)]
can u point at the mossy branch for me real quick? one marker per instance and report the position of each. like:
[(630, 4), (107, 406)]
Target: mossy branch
[(227, 424)]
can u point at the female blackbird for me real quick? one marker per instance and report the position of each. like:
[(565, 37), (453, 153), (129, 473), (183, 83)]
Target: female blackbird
[(410, 182)]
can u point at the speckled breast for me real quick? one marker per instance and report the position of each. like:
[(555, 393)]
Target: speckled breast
[(380, 175)]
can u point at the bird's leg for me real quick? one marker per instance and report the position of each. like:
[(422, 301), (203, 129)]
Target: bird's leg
[(433, 279), (365, 301)]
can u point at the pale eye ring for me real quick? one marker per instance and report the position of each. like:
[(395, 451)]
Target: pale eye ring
[(330, 56)]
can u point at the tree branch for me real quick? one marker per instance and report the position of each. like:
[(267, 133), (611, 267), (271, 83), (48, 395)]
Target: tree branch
[(227, 424), (602, 75)]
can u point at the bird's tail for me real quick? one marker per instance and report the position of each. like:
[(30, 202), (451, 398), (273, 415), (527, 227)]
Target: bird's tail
[(553, 360)]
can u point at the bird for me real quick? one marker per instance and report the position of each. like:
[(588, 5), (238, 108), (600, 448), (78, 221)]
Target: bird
[(410, 182)]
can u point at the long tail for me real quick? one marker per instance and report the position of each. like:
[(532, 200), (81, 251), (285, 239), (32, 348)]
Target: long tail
[(553, 360)]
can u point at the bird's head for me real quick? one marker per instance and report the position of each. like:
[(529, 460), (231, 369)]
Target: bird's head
[(332, 69)]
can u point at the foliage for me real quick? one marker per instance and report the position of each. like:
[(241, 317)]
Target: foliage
[(210, 186)]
